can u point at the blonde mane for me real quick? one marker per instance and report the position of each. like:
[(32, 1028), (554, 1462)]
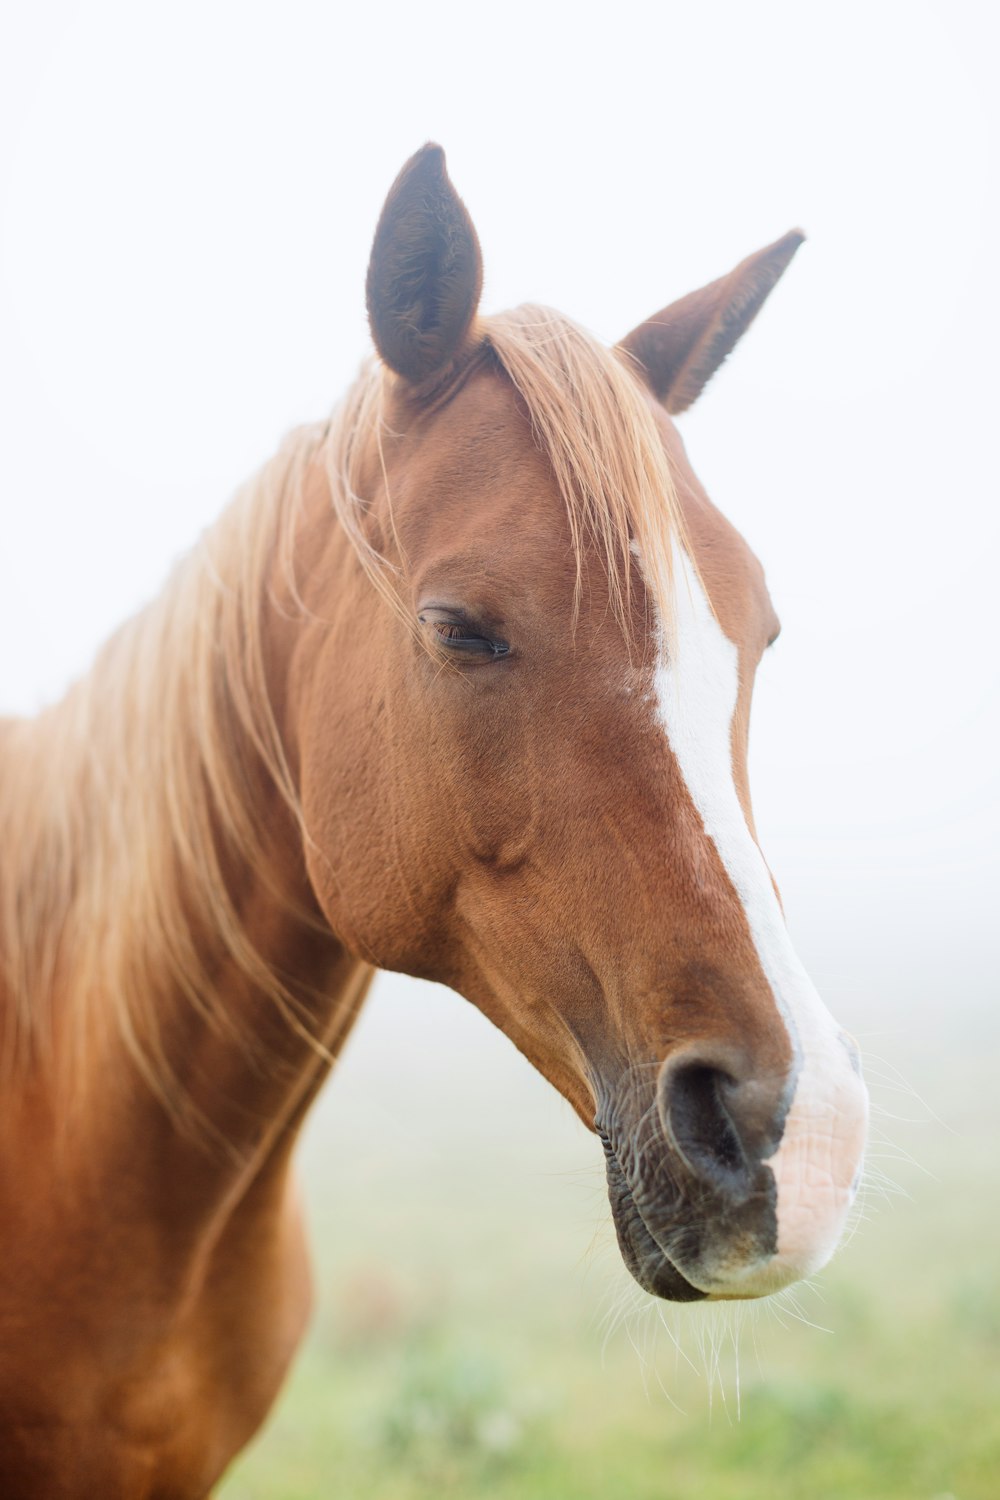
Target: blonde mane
[(127, 806)]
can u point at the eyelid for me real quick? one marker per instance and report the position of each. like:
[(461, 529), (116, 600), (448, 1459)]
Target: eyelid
[(447, 614), (478, 638)]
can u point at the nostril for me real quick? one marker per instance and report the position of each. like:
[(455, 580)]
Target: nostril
[(695, 1111)]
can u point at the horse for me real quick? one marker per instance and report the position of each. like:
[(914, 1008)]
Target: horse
[(457, 686)]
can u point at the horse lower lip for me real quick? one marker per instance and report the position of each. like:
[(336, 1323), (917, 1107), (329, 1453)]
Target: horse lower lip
[(642, 1253)]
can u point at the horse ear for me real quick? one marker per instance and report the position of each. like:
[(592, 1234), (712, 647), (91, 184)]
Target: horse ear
[(425, 273), (681, 348)]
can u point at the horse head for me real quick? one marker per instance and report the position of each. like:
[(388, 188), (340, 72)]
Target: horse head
[(519, 706)]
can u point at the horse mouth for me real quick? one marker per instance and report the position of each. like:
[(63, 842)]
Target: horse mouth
[(642, 1253)]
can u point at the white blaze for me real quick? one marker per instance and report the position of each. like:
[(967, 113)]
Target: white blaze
[(817, 1161)]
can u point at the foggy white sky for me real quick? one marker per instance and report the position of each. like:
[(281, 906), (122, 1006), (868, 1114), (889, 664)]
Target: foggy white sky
[(187, 197)]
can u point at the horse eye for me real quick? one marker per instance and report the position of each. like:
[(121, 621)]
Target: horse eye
[(455, 635)]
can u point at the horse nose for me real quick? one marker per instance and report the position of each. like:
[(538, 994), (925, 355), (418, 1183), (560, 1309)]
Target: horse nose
[(721, 1117)]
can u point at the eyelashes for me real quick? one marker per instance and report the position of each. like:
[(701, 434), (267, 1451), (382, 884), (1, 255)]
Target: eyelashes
[(462, 638)]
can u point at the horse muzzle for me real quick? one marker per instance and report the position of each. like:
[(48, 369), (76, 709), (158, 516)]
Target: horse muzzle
[(728, 1184)]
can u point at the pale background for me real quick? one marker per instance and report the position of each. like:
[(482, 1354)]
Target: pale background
[(187, 197)]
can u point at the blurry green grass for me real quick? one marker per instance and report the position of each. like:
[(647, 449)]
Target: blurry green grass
[(458, 1347)]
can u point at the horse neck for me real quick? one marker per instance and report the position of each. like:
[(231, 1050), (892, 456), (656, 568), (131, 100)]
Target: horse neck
[(156, 921)]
